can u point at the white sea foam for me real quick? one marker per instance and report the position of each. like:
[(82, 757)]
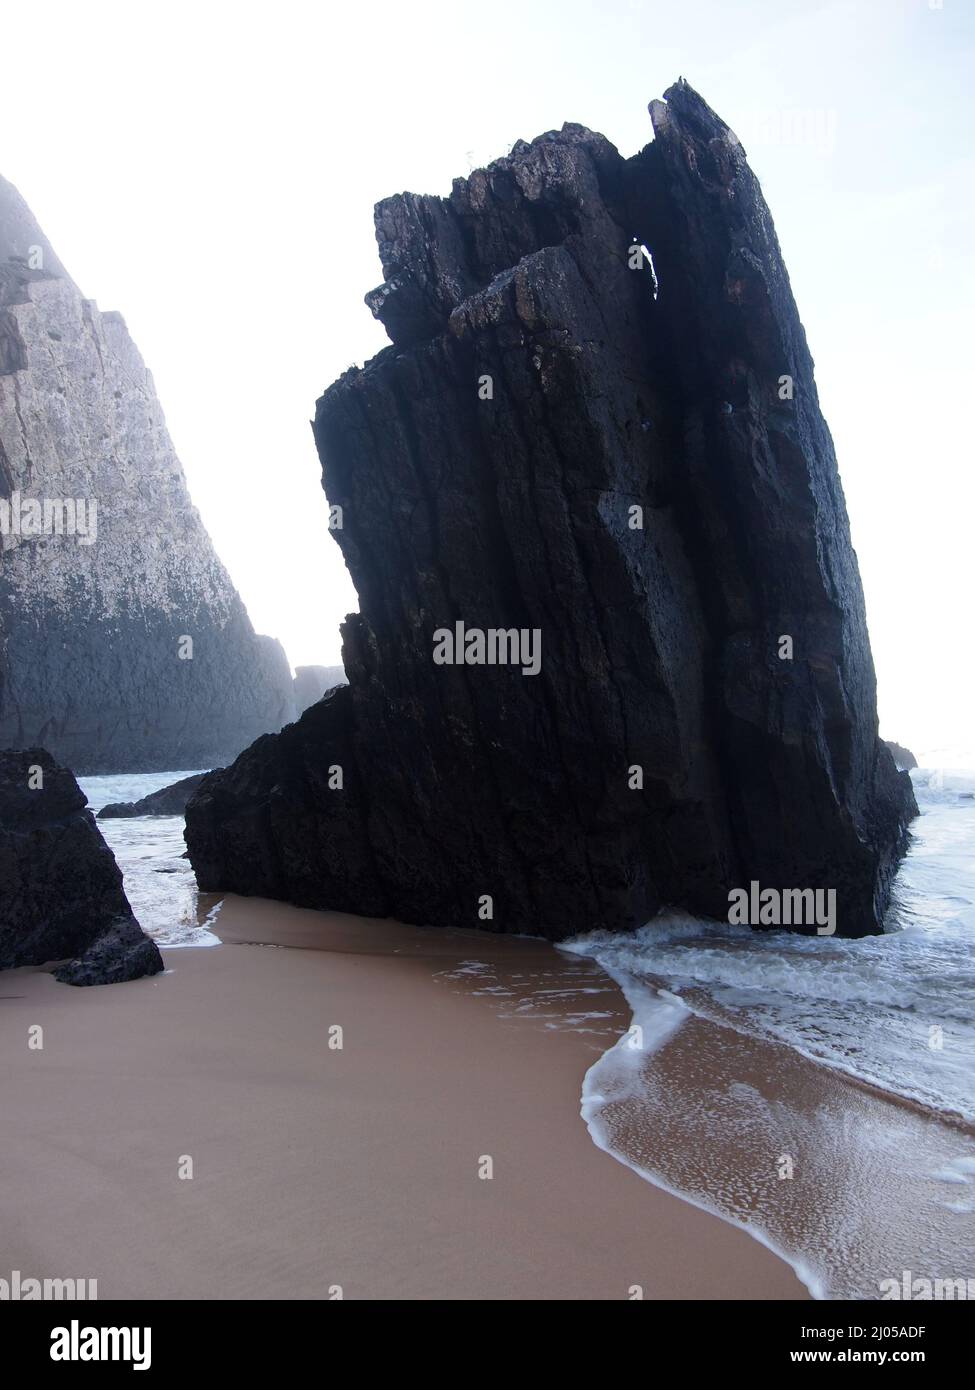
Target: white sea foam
[(896, 1011), (159, 882), (618, 1079)]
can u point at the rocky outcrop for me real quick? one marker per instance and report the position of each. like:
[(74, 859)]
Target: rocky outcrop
[(168, 801), (123, 644), (903, 757), (312, 682), (62, 889), (611, 654), (287, 821)]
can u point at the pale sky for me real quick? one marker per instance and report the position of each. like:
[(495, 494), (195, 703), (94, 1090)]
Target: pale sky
[(209, 169)]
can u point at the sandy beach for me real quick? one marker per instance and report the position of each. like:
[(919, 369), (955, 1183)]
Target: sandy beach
[(318, 1169)]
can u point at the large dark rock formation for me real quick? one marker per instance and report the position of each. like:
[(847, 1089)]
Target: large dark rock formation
[(93, 664), (629, 459), (168, 801), (311, 683), (62, 894)]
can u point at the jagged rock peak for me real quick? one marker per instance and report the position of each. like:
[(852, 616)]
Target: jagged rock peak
[(436, 252)]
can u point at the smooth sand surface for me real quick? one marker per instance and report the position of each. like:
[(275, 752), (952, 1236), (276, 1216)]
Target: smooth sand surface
[(316, 1168)]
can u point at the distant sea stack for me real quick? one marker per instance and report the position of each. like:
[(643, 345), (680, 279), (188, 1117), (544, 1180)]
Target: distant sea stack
[(123, 643), (611, 654), (903, 757), (168, 801), (311, 683), (62, 889)]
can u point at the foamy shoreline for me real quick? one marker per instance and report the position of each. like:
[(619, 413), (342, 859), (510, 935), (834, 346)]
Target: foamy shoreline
[(849, 1184)]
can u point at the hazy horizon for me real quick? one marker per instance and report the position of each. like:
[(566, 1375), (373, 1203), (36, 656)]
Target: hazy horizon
[(177, 167)]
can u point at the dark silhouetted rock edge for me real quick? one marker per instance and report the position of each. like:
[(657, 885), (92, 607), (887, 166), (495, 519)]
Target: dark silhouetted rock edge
[(168, 801), (62, 889)]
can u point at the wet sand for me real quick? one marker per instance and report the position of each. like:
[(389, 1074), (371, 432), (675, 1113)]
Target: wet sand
[(857, 1184), (319, 1171)]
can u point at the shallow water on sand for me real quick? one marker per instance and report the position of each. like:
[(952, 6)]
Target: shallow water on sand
[(159, 882), (820, 1092)]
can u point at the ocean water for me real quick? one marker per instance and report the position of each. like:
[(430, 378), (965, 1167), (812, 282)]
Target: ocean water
[(894, 1012), (159, 882)]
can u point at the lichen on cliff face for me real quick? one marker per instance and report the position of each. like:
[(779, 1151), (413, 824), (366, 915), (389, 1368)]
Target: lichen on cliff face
[(597, 423)]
